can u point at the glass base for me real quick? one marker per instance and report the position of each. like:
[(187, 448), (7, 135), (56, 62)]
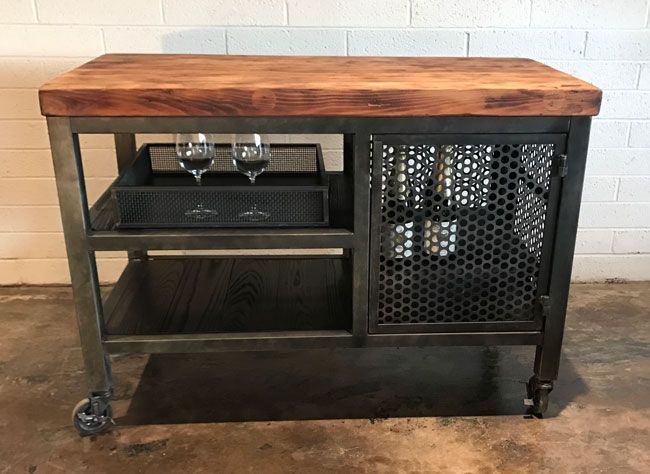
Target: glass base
[(200, 212), (255, 215)]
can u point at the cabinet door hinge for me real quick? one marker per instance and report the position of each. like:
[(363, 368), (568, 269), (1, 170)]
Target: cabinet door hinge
[(560, 167)]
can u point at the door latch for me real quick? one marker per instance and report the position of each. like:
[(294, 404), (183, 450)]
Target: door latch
[(561, 166), (545, 305)]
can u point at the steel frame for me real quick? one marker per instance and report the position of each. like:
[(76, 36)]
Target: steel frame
[(82, 241)]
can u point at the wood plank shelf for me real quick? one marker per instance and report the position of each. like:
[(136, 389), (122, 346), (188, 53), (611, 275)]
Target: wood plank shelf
[(340, 234), (230, 295)]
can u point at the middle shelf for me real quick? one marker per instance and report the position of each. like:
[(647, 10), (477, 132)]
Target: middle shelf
[(339, 234)]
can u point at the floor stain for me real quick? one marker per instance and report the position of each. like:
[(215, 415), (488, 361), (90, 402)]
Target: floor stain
[(136, 449)]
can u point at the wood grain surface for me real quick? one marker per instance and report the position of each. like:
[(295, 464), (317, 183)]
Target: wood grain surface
[(168, 85), (203, 295)]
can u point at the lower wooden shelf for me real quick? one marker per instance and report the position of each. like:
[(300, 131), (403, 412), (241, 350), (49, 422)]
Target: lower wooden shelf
[(188, 295)]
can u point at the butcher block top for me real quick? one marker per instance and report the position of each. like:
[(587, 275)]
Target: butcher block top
[(170, 85)]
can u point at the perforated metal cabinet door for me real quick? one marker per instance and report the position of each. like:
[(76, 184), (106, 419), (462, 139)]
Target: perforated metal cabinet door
[(461, 231)]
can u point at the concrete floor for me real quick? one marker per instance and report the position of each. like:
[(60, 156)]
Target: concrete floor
[(380, 410)]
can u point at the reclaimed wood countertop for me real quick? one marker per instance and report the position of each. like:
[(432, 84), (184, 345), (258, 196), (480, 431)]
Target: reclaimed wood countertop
[(171, 85)]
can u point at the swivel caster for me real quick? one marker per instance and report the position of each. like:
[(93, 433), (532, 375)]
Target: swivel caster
[(537, 392), (92, 416)]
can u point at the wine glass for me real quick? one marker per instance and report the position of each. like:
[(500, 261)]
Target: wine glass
[(196, 153), (251, 155)]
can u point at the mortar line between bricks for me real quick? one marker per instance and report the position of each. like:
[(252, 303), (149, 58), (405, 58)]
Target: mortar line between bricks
[(627, 254), (627, 203), (627, 91), (55, 258), (26, 232), (572, 60), (588, 176), (103, 38), (88, 58), (162, 11), (638, 76), (35, 7), (614, 148), (629, 134), (49, 178), (30, 206), (409, 12), (518, 29), (616, 229), (53, 57)]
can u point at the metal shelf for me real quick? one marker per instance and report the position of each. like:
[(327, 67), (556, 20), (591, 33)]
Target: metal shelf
[(104, 236)]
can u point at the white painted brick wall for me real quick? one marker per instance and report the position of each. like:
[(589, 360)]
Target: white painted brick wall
[(476, 13), (602, 41), (368, 13), (589, 13), (152, 39), (531, 43), (97, 12), (634, 189), (640, 134), (406, 42), (632, 241), (223, 12), (619, 44), (644, 79), (286, 41)]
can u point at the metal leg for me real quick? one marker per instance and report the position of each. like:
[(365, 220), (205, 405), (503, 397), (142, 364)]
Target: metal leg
[(361, 147), (547, 357), (83, 271), (125, 151)]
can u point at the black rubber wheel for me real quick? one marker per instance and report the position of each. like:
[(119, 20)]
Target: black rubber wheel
[(540, 401), (538, 393), (87, 423)]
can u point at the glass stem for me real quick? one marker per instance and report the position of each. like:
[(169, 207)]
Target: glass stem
[(252, 178), (198, 179)]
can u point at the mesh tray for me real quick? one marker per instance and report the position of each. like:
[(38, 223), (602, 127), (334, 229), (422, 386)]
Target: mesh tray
[(155, 192)]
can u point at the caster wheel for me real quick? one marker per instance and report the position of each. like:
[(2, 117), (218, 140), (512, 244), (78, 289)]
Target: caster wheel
[(538, 395), (87, 421)]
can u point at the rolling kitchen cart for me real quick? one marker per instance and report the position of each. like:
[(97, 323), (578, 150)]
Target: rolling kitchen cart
[(456, 209)]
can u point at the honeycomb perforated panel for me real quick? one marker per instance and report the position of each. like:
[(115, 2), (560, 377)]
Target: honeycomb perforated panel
[(461, 232)]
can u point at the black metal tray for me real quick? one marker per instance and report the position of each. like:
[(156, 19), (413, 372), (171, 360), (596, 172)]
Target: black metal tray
[(155, 192)]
